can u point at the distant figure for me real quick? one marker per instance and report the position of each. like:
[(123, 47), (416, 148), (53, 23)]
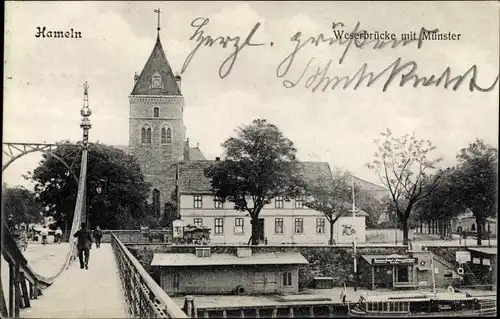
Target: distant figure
[(98, 236), (44, 233), (204, 240), (23, 240), (58, 235), (84, 244)]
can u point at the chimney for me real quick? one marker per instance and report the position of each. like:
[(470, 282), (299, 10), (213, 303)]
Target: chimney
[(186, 151), (187, 141), (178, 79), (217, 159)]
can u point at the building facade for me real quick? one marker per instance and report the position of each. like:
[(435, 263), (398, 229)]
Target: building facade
[(243, 273), (280, 222), (158, 139)]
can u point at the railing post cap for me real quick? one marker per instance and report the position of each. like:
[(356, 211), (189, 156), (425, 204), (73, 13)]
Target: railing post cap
[(189, 298)]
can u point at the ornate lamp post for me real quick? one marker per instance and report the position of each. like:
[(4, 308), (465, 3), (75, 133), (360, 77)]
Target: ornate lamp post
[(85, 125)]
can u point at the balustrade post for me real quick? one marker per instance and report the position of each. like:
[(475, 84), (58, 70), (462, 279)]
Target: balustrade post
[(17, 290), (24, 290), (35, 289), (290, 313), (224, 313), (205, 314), (257, 313), (311, 311), (242, 313), (12, 284), (275, 313), (330, 312), (188, 306)]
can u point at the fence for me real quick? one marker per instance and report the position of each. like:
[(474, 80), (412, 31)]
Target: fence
[(387, 235), (145, 298), (24, 283)]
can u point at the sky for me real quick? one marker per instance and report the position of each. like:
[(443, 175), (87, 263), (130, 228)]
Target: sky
[(43, 78)]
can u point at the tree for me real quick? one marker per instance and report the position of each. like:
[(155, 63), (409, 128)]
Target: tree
[(20, 206), (477, 182), (372, 206), (122, 198), (443, 202), (259, 165), (332, 197), (403, 164)]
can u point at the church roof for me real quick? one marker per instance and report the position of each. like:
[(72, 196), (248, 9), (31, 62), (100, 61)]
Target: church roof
[(195, 154), (193, 181), (156, 64)]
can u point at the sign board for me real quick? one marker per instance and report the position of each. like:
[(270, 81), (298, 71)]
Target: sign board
[(178, 228), (462, 257), (393, 261)]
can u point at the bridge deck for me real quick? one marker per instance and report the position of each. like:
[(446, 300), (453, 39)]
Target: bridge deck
[(81, 293)]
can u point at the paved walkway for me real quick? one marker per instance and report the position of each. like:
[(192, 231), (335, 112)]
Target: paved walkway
[(80, 293)]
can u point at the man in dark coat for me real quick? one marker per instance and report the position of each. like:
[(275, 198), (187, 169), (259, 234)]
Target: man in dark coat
[(98, 236), (83, 245)]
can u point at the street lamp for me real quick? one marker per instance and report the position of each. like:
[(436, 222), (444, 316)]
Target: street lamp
[(101, 186)]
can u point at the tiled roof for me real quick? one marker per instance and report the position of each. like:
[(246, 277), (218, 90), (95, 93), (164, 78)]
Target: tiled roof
[(157, 62), (124, 148), (485, 250), (186, 259), (193, 180), (195, 154)]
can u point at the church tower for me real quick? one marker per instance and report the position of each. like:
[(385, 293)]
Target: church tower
[(156, 129)]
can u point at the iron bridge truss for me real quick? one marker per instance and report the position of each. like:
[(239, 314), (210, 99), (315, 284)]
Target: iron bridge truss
[(14, 151)]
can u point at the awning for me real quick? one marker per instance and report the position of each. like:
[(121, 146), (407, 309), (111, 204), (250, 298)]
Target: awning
[(422, 268)]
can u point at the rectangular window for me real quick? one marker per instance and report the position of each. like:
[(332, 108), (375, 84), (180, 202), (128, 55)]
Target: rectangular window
[(320, 225), (156, 112), (287, 279), (219, 226), (299, 225), (218, 203), (278, 202), (278, 226), (198, 222), (238, 226), (299, 202), (198, 203)]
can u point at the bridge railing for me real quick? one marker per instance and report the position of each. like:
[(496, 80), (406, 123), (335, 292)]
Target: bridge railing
[(144, 297), (24, 284)]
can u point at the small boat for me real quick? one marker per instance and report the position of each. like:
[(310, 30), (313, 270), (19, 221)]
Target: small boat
[(422, 305)]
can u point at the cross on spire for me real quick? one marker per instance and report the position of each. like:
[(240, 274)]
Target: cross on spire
[(159, 12)]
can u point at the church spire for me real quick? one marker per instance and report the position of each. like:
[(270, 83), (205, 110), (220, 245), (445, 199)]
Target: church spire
[(158, 29), (157, 77)]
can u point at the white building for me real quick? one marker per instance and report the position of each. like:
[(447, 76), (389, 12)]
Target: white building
[(280, 222)]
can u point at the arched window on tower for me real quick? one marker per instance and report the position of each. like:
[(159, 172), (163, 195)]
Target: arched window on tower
[(146, 134), (169, 135), (156, 202), (166, 135)]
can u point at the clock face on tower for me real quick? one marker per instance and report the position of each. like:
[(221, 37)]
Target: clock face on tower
[(156, 81)]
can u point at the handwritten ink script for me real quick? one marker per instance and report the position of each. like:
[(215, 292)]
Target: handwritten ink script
[(316, 75)]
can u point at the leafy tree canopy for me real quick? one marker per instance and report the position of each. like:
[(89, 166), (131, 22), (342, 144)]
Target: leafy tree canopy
[(404, 165), (121, 202), (259, 165), (20, 205)]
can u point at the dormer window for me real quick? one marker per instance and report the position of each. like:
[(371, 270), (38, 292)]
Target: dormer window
[(156, 82)]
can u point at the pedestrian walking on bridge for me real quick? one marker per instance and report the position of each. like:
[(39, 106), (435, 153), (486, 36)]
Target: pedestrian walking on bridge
[(83, 245), (98, 236)]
